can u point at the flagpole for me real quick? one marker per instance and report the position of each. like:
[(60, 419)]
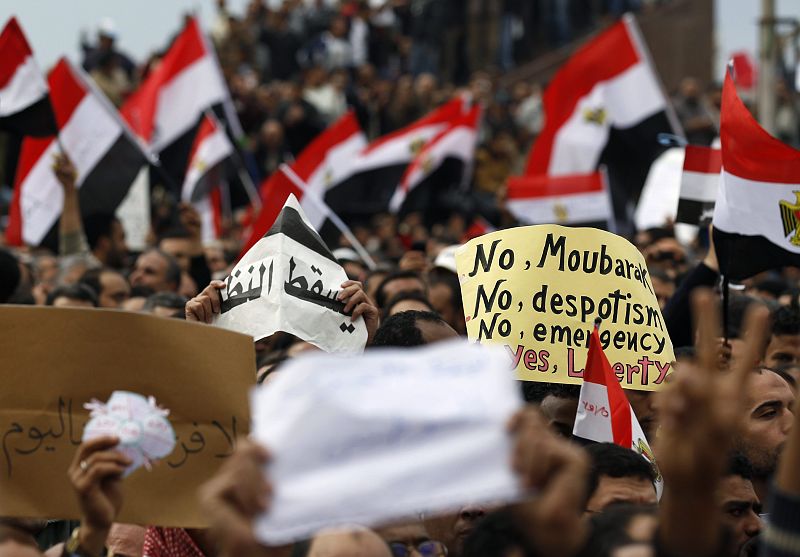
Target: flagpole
[(247, 181), (334, 218)]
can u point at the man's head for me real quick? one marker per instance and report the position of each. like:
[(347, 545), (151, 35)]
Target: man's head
[(157, 270), (557, 402), (784, 342), (106, 239), (357, 543), (644, 406), (179, 244), (767, 421), (412, 540), (110, 286), (401, 281), (72, 296), (738, 503), (165, 304), (618, 475), (412, 328), (407, 301), (444, 292)]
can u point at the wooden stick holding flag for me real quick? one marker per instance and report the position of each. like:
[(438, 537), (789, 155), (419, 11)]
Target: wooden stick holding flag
[(329, 214)]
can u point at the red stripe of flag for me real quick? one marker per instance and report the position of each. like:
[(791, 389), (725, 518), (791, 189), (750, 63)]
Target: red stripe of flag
[(705, 160), (528, 187), (15, 49), (598, 370), (748, 151)]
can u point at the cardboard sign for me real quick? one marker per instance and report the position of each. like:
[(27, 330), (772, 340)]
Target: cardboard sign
[(537, 290), (289, 281), (56, 360), (384, 436)]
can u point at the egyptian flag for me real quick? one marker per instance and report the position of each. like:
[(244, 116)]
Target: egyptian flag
[(757, 213), (604, 413), (442, 165), (378, 169), (579, 199), (605, 105), (699, 184), (324, 163), (169, 105), (211, 147), (104, 152), (25, 107)]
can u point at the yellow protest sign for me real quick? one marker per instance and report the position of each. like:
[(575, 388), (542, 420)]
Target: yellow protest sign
[(55, 360), (538, 289)]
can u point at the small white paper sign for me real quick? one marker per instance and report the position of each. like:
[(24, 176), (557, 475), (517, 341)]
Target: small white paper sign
[(383, 436)]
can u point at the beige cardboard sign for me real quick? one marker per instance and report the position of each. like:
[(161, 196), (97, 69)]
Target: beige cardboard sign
[(55, 360), (537, 290)]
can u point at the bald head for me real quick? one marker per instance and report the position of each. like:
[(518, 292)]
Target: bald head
[(360, 543)]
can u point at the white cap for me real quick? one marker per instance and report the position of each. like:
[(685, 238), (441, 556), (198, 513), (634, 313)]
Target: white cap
[(107, 28), (447, 258), (346, 254)]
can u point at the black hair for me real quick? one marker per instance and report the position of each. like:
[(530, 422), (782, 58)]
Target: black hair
[(91, 278), (177, 232), (97, 226), (9, 275), (169, 300), (406, 296), (536, 391), (609, 529), (738, 306), (608, 459), (772, 285), (494, 536), (739, 465), (786, 320), (685, 352), (401, 328), (73, 291), (173, 274), (380, 295)]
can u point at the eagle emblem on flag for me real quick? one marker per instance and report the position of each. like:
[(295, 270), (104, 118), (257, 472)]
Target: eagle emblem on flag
[(416, 146), (790, 216), (594, 116), (560, 212)]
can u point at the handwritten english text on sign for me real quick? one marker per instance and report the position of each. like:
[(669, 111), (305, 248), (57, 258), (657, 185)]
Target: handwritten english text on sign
[(538, 289)]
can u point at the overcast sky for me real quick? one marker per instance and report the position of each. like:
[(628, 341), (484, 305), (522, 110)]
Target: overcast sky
[(54, 26)]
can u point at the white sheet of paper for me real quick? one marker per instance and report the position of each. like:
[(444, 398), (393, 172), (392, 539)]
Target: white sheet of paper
[(383, 436), (282, 284)]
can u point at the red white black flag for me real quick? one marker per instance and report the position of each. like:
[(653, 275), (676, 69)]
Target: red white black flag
[(104, 152), (325, 163), (699, 184), (757, 213), (443, 162), (579, 199), (169, 105), (605, 104), (24, 103)]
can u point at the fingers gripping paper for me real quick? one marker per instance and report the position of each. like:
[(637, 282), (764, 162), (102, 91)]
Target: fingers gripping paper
[(289, 281), (536, 290), (384, 436)]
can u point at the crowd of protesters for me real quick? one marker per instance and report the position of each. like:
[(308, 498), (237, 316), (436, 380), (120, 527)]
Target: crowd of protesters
[(722, 429)]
